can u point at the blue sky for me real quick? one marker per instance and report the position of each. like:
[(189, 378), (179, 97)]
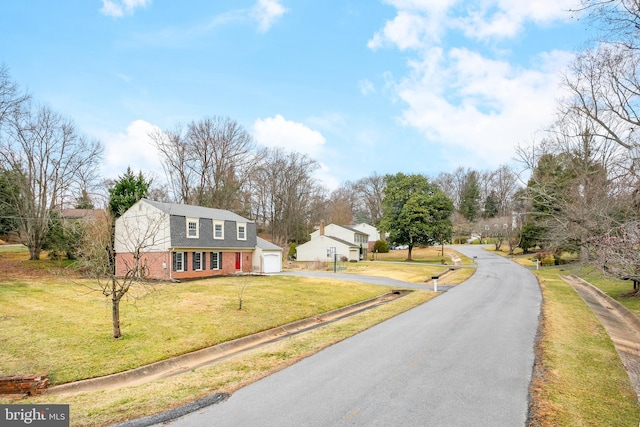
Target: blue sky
[(414, 86)]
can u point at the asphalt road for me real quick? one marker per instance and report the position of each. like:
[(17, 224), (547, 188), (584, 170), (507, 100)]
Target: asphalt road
[(464, 358)]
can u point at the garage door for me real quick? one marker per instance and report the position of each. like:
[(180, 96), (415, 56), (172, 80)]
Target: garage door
[(271, 263)]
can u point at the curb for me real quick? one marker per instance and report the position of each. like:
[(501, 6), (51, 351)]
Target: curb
[(166, 367), (626, 313), (176, 413)]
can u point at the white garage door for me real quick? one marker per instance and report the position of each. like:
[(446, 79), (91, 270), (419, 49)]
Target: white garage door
[(271, 263)]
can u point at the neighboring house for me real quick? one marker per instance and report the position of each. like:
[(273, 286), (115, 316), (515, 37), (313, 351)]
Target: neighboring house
[(83, 215), (374, 234), (334, 239), (182, 241)]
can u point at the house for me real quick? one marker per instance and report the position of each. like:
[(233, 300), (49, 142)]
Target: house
[(83, 215), (178, 241), (374, 234), (333, 239)]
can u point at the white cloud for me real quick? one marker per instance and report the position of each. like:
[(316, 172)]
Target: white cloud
[(292, 136), (422, 23), (476, 107), (132, 148), (486, 106), (266, 12), (366, 87), (118, 8), (506, 18)]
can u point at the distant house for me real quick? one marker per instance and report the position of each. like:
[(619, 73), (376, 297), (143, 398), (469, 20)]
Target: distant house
[(374, 234), (83, 215), (184, 241), (333, 239)]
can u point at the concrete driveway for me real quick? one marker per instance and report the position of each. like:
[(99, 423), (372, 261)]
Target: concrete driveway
[(462, 359)]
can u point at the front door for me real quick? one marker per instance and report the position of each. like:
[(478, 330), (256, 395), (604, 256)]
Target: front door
[(238, 261)]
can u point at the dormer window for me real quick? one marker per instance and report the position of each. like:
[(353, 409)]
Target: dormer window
[(192, 228), (242, 231), (218, 230)]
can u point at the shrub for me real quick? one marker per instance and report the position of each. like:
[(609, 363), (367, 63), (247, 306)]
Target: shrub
[(381, 247), (547, 260), (292, 251)]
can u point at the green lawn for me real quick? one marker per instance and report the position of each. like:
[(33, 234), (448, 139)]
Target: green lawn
[(583, 381), (62, 328)]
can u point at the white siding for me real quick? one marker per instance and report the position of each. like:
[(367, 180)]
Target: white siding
[(143, 226), (316, 250), (373, 232)]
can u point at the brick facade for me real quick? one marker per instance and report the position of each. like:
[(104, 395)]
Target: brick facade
[(159, 265)]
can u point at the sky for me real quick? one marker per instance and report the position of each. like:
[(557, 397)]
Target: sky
[(360, 86)]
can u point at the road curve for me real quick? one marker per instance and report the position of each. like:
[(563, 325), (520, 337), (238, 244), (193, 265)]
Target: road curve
[(462, 359)]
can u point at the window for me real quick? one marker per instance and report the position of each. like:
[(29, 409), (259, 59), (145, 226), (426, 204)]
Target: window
[(192, 228), (216, 260), (198, 260), (179, 261), (242, 231), (218, 229)]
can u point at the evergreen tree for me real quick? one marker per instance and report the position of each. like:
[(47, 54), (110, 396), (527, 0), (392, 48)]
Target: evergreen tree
[(491, 205), (470, 200), (126, 191)]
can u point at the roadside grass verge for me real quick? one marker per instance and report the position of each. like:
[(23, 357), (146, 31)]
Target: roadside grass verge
[(429, 255), (412, 273), (617, 289), (109, 407), (62, 328), (581, 380)]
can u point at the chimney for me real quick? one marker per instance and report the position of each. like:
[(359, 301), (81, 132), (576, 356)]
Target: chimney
[(322, 228)]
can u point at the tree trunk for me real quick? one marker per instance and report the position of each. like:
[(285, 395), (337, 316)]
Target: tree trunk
[(409, 254), (115, 312), (115, 309), (34, 253)]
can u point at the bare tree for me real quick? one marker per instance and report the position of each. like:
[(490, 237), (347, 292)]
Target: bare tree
[(504, 182), (137, 238), (576, 189), (50, 160), (209, 162), (283, 189), (342, 205), (371, 191), (617, 253)]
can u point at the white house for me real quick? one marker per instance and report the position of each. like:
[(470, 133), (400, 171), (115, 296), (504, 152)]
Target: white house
[(334, 239), (374, 234)]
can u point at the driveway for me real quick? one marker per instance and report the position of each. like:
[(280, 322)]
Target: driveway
[(462, 359)]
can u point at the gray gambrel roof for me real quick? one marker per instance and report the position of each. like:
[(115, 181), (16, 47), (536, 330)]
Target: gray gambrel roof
[(196, 211)]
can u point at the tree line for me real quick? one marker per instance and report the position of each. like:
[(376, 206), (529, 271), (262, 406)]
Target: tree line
[(582, 193)]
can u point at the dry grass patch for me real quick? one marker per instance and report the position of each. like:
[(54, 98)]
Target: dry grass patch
[(581, 380), (412, 273), (431, 255)]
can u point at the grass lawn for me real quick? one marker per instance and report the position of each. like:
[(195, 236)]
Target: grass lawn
[(54, 324), (583, 382), (109, 407), (429, 255), (61, 328)]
